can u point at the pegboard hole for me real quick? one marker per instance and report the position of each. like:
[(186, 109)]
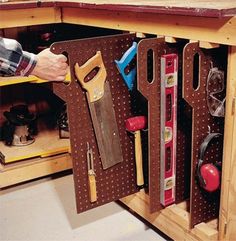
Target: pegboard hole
[(150, 61), (67, 82), (196, 65)]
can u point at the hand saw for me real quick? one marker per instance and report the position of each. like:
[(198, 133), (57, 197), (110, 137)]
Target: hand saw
[(169, 66), (101, 110)]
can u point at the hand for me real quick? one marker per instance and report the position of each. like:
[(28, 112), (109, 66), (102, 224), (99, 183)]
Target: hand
[(50, 66)]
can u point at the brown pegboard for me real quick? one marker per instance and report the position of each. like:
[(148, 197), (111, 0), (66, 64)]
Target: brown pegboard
[(120, 180), (183, 147), (151, 91), (203, 206), (184, 134), (149, 86)]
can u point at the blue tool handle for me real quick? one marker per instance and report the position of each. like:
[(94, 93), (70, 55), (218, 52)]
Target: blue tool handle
[(128, 55), (124, 62)]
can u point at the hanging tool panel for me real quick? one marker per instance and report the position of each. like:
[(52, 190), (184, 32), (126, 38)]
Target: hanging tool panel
[(150, 52), (95, 60), (206, 142)]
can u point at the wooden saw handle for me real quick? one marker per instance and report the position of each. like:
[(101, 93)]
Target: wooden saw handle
[(95, 86), (138, 158)]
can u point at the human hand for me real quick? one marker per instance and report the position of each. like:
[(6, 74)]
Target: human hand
[(50, 66)]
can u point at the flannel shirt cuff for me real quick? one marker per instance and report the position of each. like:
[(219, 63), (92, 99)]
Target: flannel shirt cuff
[(26, 64)]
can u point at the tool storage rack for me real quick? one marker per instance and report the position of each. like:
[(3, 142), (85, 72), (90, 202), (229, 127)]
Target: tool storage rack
[(209, 23)]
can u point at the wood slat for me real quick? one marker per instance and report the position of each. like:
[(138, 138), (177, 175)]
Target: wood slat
[(23, 171), (20, 17), (197, 28), (228, 196)]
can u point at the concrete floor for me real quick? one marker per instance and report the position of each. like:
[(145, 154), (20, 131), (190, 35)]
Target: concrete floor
[(45, 210)]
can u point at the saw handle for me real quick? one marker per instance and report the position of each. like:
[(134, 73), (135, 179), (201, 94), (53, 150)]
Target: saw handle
[(124, 62), (92, 186), (138, 158), (95, 86)]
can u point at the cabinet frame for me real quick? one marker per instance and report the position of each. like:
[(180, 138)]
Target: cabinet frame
[(203, 29)]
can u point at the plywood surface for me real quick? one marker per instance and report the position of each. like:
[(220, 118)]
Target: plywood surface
[(207, 8), (220, 4)]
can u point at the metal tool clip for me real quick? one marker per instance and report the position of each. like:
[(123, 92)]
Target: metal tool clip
[(90, 160), (91, 175)]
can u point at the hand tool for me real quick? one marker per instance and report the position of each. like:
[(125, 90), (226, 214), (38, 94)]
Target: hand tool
[(169, 67), (101, 109), (124, 62), (18, 128), (91, 175), (135, 125)]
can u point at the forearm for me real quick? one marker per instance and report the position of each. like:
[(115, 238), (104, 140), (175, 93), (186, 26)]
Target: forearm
[(13, 60)]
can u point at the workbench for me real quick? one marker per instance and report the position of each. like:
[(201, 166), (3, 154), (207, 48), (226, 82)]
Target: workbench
[(210, 23)]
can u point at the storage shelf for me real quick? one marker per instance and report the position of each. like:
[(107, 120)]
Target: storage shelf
[(47, 143), (4, 81), (22, 171), (19, 80)]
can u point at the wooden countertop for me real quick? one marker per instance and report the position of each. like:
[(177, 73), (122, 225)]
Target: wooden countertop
[(205, 8)]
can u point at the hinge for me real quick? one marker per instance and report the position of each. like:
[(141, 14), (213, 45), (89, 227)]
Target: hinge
[(225, 229)]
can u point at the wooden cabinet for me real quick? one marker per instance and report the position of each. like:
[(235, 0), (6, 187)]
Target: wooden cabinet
[(211, 27)]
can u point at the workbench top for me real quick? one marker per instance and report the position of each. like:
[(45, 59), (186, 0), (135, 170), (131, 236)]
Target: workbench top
[(206, 8)]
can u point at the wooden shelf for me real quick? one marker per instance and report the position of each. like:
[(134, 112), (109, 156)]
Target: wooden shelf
[(22, 171), (19, 80), (30, 79), (47, 143)]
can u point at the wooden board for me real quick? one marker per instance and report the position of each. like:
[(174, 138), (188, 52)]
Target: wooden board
[(18, 172), (220, 8), (47, 143), (33, 16), (18, 80), (227, 223)]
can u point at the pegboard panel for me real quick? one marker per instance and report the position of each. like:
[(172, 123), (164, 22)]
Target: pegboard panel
[(149, 66), (183, 147), (184, 134), (117, 181), (196, 61)]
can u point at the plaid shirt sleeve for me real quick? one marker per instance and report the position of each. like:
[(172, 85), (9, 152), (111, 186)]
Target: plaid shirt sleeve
[(13, 60)]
